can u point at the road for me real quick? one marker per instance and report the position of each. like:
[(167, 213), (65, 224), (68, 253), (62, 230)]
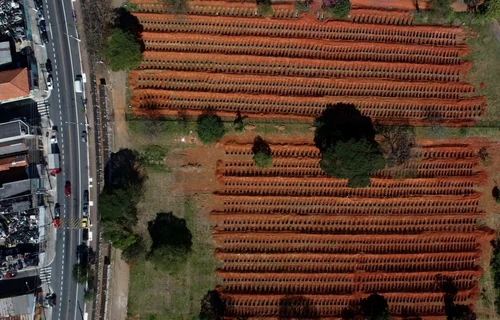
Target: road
[(67, 112)]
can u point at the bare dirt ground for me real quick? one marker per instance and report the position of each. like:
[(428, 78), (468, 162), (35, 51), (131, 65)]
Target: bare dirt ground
[(118, 86)]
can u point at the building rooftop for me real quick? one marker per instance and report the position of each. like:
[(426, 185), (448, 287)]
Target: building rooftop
[(13, 129), (20, 306), (18, 148), (5, 54), (14, 84), (15, 188)]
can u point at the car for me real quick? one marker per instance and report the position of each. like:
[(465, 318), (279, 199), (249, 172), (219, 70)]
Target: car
[(86, 209), (45, 37), (57, 210), (85, 223), (50, 83), (57, 216), (67, 189), (84, 136), (42, 26), (10, 274), (86, 196), (48, 66)]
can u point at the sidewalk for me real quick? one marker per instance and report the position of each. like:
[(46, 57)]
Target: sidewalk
[(48, 184)]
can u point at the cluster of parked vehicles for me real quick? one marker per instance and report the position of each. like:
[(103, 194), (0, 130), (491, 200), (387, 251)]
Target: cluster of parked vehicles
[(85, 208)]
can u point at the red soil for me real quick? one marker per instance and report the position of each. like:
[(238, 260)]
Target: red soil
[(290, 231)]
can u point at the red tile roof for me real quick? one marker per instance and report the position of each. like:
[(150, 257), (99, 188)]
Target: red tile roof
[(14, 84)]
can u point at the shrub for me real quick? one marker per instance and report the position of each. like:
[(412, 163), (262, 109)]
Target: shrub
[(340, 10), (210, 128), (352, 160), (261, 153), (171, 241), (123, 50), (262, 160)]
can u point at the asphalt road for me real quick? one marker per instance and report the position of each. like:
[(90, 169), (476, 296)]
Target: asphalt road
[(68, 114)]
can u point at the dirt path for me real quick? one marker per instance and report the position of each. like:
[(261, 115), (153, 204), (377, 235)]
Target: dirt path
[(118, 86), (120, 271), (496, 29), (118, 287)]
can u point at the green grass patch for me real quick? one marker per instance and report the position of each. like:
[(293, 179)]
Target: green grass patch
[(452, 132), (153, 157), (178, 295)]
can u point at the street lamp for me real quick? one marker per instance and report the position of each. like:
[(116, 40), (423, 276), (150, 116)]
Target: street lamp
[(77, 39), (77, 305)]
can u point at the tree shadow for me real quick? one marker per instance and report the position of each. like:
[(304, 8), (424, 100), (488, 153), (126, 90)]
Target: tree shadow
[(452, 310), (261, 146), (169, 230), (122, 170), (373, 307), (128, 22), (296, 307), (341, 122), (212, 306), (495, 192)]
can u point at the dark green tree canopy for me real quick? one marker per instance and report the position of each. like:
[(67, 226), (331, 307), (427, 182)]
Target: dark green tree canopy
[(123, 187), (123, 50), (171, 242), (210, 128), (352, 160), (347, 143), (169, 230), (262, 156)]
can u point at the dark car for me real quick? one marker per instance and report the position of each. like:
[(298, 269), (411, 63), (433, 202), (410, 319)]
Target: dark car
[(42, 26), (45, 37), (86, 209), (48, 66), (67, 189), (84, 136), (86, 196)]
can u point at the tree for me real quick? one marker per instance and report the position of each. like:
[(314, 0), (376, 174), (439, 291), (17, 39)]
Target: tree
[(172, 241), (123, 50), (176, 6), (80, 273), (339, 9), (397, 142), (352, 160), (210, 128), (347, 143), (212, 306), (123, 187), (136, 251), (262, 156), (375, 307)]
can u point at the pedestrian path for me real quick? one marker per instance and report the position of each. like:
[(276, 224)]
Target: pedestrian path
[(43, 108), (45, 274)]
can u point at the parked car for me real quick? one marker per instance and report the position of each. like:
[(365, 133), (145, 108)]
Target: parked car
[(86, 209), (67, 189), (50, 82), (57, 216), (42, 26), (48, 66), (86, 196), (10, 274), (85, 222), (45, 37), (84, 136)]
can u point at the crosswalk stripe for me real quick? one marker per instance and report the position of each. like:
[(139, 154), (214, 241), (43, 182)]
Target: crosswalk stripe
[(45, 274), (42, 107)]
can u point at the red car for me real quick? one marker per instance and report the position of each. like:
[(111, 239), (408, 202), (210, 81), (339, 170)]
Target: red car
[(67, 189)]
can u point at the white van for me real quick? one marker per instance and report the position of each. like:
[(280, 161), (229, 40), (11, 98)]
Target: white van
[(78, 84)]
